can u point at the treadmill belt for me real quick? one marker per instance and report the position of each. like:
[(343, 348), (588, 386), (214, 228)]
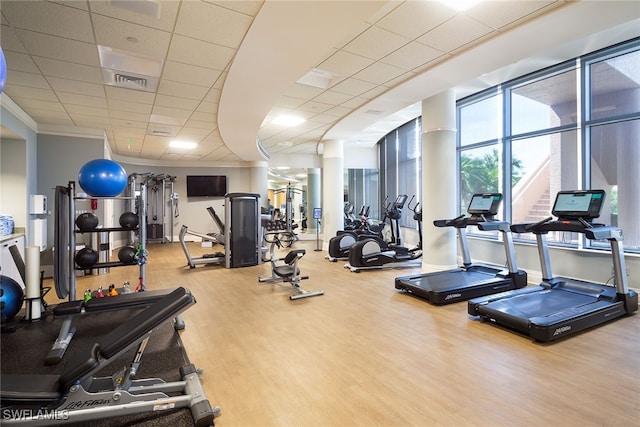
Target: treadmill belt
[(453, 279), (539, 304)]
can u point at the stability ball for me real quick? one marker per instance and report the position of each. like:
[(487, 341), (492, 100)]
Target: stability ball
[(86, 221), (86, 257), (127, 254), (128, 220), (11, 296), (3, 70), (102, 178)]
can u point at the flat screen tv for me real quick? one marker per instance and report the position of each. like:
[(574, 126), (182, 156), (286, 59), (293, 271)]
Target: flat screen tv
[(206, 185)]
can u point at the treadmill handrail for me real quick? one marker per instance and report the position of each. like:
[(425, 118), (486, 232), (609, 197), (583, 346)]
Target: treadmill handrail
[(575, 225)]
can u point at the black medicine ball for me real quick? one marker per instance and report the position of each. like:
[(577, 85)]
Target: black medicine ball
[(128, 220), (86, 257), (86, 221), (127, 254)]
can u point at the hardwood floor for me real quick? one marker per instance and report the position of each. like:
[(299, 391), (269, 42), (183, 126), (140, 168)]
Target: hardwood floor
[(364, 354)]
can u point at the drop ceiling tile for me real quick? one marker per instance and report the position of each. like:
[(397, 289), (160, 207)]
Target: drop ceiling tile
[(207, 108), (27, 79), (500, 14), (69, 70), (213, 97), (332, 97), (379, 73), (129, 107), (19, 62), (151, 43), (37, 104), (90, 121), (449, 36), (128, 125), (49, 18), (10, 40), (204, 117), (171, 112), (129, 95), (413, 18), (199, 53), (166, 21), (301, 91), (376, 43), (344, 63), (78, 4), (77, 99), (50, 117), (31, 93), (59, 48), (74, 86), (412, 56), (87, 111), (182, 90), (353, 87), (247, 7), (211, 23), (354, 102), (185, 73), (315, 107), (128, 115)]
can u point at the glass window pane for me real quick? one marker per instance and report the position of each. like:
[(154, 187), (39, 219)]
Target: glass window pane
[(544, 104), (615, 156), (615, 86), (542, 166), (480, 171), (481, 121)]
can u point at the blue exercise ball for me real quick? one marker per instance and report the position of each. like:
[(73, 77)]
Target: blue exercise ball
[(102, 178), (11, 297), (3, 70)]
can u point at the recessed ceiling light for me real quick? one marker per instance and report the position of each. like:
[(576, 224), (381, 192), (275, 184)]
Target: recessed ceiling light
[(186, 145), (286, 120), (460, 5)]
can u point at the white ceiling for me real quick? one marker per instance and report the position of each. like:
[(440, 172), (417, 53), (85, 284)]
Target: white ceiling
[(230, 67)]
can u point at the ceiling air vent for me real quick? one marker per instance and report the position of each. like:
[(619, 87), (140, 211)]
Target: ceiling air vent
[(130, 81)]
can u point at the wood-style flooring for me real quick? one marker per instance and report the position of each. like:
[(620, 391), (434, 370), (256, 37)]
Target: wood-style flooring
[(367, 355)]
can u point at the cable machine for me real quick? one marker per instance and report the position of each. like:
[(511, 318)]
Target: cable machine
[(162, 204), (289, 212)]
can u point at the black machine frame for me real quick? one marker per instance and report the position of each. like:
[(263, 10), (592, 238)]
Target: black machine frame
[(560, 306)]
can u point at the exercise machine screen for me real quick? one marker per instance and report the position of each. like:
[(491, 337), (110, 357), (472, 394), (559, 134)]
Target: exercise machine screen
[(485, 204), (578, 204)]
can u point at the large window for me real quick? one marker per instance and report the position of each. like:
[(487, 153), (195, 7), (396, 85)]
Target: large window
[(573, 126)]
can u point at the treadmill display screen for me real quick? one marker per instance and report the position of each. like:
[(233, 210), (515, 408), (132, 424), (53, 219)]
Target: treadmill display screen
[(578, 204), (485, 204)]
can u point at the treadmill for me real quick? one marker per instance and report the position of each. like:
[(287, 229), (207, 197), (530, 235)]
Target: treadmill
[(471, 279), (560, 306)]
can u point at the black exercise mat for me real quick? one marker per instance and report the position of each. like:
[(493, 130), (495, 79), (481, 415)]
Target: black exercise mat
[(24, 352)]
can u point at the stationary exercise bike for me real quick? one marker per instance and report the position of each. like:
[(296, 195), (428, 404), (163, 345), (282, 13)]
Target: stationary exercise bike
[(373, 253), (287, 269)]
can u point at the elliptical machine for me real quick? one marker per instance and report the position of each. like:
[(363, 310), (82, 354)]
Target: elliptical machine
[(340, 244), (373, 253)]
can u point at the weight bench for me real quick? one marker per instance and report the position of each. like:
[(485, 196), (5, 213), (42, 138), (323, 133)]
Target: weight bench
[(288, 271), (70, 309), (77, 396)]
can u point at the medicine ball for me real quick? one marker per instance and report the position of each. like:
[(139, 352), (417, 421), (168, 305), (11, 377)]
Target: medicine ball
[(86, 221), (102, 178), (128, 220), (86, 257), (127, 254), (11, 297)]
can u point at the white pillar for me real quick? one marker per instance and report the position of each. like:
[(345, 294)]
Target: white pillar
[(332, 189), (259, 181), (313, 195), (439, 177)]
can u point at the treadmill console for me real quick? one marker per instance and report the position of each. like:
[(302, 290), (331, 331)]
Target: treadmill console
[(584, 204), (486, 204), (400, 201)]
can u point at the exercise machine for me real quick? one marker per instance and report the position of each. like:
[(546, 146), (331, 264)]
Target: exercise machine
[(374, 253), (470, 279), (560, 306), (286, 269), (216, 258), (358, 229), (242, 236), (77, 395)]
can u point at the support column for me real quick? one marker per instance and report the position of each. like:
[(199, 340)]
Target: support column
[(439, 177), (332, 189), (313, 196), (259, 181)]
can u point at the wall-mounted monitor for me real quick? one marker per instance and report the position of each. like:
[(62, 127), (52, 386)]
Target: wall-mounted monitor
[(206, 185)]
